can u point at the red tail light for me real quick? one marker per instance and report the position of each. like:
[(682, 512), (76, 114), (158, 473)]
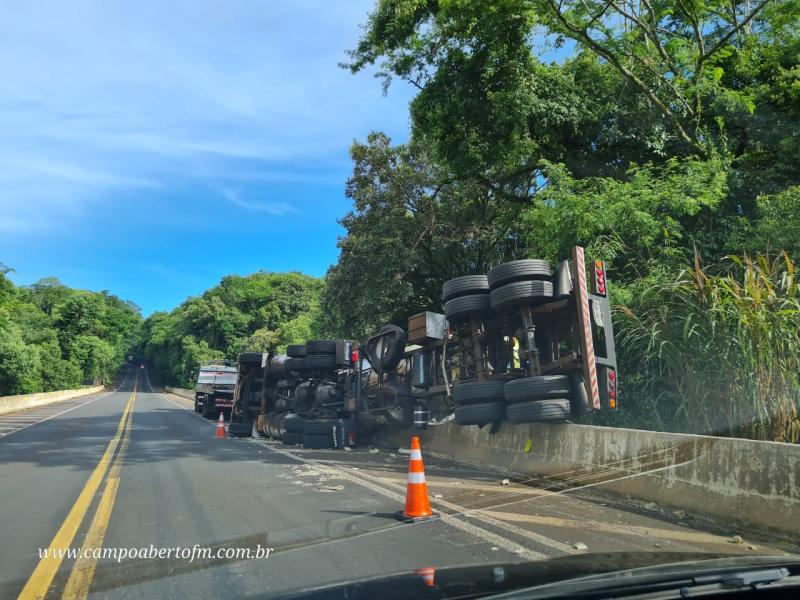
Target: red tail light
[(612, 388), (599, 277), (354, 356)]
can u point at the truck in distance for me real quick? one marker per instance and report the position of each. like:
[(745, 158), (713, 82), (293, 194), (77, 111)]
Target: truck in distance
[(213, 388)]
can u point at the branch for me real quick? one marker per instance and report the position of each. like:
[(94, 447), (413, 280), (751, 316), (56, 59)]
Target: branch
[(669, 83), (695, 26), (583, 35), (648, 32), (724, 39)]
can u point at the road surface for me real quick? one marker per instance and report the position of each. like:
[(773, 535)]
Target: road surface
[(136, 469)]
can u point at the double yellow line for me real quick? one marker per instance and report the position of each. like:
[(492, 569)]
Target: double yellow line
[(83, 571)]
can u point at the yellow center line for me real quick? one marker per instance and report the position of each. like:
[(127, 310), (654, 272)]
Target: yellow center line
[(83, 572), (39, 582)]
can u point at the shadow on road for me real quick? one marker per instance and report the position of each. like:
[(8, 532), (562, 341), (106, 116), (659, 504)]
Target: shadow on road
[(159, 434)]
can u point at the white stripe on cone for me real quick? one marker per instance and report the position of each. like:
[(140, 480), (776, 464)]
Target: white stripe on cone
[(416, 478), (416, 455)]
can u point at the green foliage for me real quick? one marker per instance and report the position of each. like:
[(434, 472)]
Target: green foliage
[(778, 227), (649, 216), (19, 364), (718, 353), (411, 228), (260, 312), (53, 337)]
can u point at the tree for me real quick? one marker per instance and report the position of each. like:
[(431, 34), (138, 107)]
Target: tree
[(411, 228), (19, 364), (57, 336), (651, 216), (672, 51), (258, 312)]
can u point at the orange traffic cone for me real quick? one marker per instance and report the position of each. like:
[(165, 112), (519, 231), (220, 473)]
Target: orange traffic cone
[(418, 506), (220, 432), (427, 574)]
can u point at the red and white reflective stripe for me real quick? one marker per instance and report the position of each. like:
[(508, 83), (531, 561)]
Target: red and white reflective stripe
[(418, 477), (587, 328), (416, 454)]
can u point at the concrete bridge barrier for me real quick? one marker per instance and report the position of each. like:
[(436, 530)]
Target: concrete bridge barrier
[(22, 401), (738, 481)]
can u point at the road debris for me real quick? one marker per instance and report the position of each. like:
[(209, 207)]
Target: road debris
[(404, 450), (438, 496), (374, 450), (651, 506), (736, 539), (681, 514), (580, 546), (505, 482), (331, 488), (528, 446)]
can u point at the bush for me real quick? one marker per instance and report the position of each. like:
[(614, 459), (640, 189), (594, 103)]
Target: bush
[(716, 353)]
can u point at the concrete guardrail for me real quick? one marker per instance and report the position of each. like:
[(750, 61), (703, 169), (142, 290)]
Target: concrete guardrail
[(739, 482), (10, 404), (180, 392)]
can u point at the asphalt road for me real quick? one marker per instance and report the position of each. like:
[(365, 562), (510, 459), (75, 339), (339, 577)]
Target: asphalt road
[(136, 470)]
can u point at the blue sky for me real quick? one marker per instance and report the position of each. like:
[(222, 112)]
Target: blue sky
[(149, 148)]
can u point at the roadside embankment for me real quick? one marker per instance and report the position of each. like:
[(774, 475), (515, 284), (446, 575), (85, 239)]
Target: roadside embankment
[(10, 404), (180, 392), (739, 481)]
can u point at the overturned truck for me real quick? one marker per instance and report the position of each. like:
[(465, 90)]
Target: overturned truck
[(520, 344)]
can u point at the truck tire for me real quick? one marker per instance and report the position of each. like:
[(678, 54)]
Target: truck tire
[(318, 442), (472, 392), (296, 350), (240, 429), (207, 412), (292, 439), (518, 270), (538, 388), (393, 353), (295, 364), (321, 347), (464, 286), (467, 305), (197, 407), (250, 358), (320, 361), (519, 292), (539, 411), (293, 423), (401, 414), (579, 399), (480, 414), (319, 427)]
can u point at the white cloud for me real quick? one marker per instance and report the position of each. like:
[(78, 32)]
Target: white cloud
[(273, 208)]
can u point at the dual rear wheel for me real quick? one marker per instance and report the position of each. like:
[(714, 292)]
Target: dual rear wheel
[(548, 399)]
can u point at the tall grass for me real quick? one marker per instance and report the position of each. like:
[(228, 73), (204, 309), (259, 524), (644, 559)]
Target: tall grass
[(717, 352)]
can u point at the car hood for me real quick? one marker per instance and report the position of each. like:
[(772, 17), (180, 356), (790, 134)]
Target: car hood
[(489, 579)]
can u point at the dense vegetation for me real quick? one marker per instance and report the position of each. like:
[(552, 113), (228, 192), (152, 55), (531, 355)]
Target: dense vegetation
[(261, 312), (665, 138), (53, 337)]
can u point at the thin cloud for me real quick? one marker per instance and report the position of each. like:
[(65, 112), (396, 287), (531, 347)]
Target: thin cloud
[(278, 209)]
